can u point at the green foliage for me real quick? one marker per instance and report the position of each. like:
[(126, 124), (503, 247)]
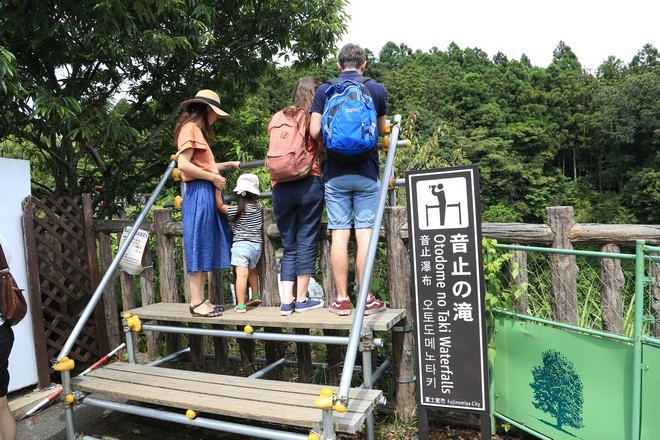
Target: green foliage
[(96, 89), (498, 295), (501, 213), (7, 69), (644, 190), (97, 110)]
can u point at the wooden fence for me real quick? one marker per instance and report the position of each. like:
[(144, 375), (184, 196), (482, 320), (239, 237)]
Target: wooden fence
[(163, 280)]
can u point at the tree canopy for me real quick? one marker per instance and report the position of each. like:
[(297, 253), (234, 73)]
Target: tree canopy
[(90, 88), (89, 92)]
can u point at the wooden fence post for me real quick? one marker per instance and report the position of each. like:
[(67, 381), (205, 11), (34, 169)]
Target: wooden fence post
[(166, 253), (268, 266), (220, 345), (270, 297), (112, 322), (94, 278), (403, 339), (149, 297), (35, 304), (563, 268), (334, 353), (612, 281)]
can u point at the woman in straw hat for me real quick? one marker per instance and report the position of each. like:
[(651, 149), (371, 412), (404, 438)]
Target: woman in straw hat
[(206, 234)]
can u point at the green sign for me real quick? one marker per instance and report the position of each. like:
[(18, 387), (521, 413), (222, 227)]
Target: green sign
[(650, 393), (564, 384)]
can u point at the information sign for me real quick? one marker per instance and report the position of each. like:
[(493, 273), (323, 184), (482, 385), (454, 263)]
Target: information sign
[(447, 274)]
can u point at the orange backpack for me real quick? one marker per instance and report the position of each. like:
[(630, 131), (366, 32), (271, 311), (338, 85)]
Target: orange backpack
[(287, 158)]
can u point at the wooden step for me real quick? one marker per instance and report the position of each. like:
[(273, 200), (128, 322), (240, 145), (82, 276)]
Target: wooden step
[(286, 403), (270, 317)]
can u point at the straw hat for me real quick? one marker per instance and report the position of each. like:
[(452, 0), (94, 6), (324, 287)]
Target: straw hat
[(207, 97), (247, 183)]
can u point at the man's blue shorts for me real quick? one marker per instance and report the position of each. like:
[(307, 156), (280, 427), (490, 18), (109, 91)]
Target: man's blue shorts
[(350, 200)]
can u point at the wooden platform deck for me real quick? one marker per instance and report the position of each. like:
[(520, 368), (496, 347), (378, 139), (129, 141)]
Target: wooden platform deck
[(286, 403), (269, 317)]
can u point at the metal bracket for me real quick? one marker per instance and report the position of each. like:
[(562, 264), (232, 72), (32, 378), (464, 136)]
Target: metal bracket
[(403, 328), (409, 379), (366, 339)]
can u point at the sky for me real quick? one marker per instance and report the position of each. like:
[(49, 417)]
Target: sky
[(593, 29)]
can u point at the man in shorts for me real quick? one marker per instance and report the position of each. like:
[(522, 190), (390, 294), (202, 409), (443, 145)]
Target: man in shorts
[(351, 190)]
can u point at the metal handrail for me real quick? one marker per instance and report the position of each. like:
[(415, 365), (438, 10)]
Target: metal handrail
[(82, 321), (120, 254)]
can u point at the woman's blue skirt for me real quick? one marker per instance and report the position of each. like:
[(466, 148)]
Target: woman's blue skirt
[(206, 232)]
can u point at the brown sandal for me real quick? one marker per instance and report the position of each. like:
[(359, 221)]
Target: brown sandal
[(212, 314)]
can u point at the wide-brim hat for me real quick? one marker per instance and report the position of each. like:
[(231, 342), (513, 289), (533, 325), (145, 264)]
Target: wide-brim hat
[(247, 183), (207, 97)]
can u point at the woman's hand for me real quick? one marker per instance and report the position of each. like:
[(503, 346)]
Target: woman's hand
[(219, 181)]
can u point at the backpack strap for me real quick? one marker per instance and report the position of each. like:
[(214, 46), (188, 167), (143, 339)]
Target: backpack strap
[(361, 79)]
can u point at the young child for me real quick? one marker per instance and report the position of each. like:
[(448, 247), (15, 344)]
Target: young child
[(246, 222)]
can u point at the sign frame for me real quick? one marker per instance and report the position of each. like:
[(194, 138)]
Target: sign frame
[(444, 223)]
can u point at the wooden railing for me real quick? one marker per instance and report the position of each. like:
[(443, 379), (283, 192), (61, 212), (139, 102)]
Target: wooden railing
[(167, 276)]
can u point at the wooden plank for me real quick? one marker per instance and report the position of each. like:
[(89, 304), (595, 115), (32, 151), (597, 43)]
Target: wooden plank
[(24, 402), (270, 317), (287, 403), (35, 302), (120, 368)]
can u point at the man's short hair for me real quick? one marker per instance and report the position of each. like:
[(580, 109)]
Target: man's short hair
[(351, 56)]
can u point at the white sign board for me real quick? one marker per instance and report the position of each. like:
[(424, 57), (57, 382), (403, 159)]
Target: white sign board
[(131, 262), (14, 188)]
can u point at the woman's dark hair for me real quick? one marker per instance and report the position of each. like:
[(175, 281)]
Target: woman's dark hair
[(196, 111), (303, 94)]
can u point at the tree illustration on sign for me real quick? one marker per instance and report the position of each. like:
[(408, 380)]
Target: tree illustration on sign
[(558, 390)]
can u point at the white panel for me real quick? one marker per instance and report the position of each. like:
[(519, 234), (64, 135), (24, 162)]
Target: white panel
[(14, 188)]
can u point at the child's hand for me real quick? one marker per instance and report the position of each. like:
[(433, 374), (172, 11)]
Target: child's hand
[(219, 203), (224, 166)]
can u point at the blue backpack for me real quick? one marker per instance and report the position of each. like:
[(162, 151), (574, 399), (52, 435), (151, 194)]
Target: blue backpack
[(349, 122)]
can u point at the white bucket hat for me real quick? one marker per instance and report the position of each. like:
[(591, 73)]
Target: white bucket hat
[(208, 97), (247, 183)]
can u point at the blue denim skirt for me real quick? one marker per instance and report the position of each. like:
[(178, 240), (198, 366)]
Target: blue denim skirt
[(206, 232)]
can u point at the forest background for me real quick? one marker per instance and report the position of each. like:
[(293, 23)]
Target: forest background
[(90, 91)]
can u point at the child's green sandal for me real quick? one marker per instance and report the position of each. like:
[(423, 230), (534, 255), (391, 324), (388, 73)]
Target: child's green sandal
[(254, 301)]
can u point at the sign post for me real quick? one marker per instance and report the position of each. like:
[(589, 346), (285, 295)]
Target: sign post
[(444, 221)]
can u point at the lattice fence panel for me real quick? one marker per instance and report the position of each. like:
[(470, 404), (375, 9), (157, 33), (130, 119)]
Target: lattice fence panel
[(64, 275)]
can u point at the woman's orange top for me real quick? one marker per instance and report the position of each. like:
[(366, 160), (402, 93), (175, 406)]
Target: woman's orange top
[(191, 136)]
